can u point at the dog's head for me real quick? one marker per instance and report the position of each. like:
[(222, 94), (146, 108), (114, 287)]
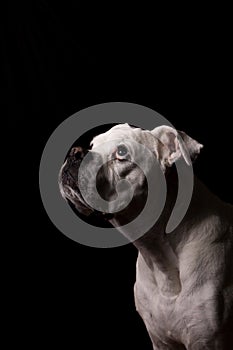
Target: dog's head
[(121, 150)]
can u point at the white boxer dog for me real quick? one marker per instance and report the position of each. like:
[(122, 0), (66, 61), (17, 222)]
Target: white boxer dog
[(184, 280)]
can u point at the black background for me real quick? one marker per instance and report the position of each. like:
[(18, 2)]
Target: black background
[(58, 59)]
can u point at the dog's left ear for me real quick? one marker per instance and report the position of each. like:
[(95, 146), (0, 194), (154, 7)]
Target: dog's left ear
[(175, 144)]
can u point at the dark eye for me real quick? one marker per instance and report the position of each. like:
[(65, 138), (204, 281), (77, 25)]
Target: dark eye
[(122, 150)]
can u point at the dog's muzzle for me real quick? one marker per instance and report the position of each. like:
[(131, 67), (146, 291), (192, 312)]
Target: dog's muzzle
[(69, 184)]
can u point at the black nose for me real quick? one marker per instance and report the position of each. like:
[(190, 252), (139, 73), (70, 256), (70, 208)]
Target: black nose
[(77, 152)]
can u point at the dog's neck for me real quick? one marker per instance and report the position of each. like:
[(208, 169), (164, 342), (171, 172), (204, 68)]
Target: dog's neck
[(158, 249)]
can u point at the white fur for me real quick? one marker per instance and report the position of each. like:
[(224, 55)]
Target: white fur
[(184, 282)]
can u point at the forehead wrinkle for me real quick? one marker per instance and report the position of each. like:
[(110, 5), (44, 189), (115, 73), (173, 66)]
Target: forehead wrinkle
[(120, 132)]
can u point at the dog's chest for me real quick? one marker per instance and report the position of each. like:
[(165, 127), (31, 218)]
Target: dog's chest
[(179, 318), (160, 314)]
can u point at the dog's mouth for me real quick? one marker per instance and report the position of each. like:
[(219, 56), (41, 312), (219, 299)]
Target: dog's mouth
[(69, 187)]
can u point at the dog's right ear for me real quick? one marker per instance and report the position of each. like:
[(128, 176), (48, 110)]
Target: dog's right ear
[(174, 145)]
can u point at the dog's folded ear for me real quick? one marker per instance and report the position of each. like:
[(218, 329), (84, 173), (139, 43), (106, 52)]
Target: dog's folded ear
[(174, 145)]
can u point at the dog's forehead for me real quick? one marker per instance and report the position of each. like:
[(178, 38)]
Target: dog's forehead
[(117, 132)]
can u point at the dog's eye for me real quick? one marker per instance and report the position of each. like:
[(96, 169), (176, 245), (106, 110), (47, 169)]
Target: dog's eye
[(122, 151)]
